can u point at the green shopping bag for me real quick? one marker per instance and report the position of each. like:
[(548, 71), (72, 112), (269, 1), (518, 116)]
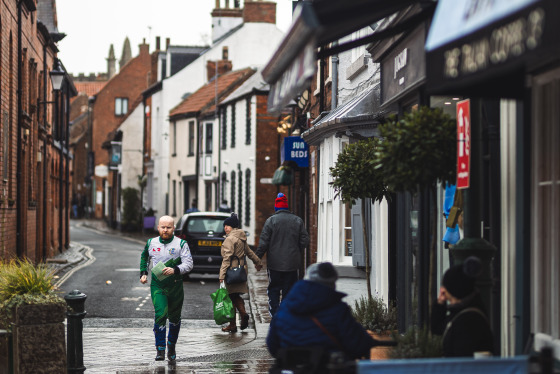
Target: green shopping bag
[(223, 307)]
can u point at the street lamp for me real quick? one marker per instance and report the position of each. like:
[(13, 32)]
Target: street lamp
[(57, 77)]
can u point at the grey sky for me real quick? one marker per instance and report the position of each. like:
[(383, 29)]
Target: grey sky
[(91, 26)]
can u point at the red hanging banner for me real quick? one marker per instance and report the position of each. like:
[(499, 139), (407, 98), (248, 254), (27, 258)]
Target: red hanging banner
[(463, 143)]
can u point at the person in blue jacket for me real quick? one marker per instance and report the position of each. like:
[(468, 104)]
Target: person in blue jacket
[(334, 328)]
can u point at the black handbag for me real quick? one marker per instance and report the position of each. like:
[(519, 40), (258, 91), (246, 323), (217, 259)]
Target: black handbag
[(236, 274)]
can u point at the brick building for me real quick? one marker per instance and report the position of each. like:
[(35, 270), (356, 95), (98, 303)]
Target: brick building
[(33, 133), (121, 94)]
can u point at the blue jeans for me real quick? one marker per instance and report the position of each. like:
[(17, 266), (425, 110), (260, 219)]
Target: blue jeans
[(279, 282)]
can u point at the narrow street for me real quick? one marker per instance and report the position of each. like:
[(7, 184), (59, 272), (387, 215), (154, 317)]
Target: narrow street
[(117, 335)]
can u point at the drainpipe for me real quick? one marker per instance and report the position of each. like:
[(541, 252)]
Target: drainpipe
[(61, 166), (334, 73), (45, 163), (66, 142), (321, 85), (19, 188)]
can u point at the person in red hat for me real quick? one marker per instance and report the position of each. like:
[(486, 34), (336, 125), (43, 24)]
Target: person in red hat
[(283, 239)]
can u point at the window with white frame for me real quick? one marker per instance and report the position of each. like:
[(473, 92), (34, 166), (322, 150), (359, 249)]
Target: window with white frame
[(121, 106)]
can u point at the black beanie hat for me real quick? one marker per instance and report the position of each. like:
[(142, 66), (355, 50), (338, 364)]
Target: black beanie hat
[(459, 280), (232, 221)]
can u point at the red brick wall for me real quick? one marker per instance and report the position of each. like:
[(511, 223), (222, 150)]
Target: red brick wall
[(128, 83), (259, 11), (26, 184), (267, 145)]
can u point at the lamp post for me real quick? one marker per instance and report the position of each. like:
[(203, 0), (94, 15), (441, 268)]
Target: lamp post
[(56, 83), (57, 78)]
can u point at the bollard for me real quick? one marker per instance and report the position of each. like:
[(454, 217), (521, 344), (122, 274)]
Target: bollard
[(74, 345)]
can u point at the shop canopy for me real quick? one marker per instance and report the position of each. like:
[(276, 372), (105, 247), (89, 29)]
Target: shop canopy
[(316, 24), (358, 118)]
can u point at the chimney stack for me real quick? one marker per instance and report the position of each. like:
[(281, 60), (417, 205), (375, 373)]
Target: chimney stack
[(259, 12), (158, 41)]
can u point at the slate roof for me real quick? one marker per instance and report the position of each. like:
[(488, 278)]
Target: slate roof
[(204, 99), (46, 14)]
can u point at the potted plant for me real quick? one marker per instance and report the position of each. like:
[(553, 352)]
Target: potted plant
[(416, 343), (33, 314), (379, 319), (356, 176)]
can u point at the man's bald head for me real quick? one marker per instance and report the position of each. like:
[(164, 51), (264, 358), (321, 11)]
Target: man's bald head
[(166, 219), (165, 227)]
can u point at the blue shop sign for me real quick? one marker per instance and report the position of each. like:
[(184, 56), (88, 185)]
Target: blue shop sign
[(295, 149)]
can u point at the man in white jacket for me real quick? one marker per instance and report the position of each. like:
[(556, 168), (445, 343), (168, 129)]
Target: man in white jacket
[(174, 258)]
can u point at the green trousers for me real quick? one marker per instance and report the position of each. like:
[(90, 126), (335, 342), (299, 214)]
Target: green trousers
[(167, 298)]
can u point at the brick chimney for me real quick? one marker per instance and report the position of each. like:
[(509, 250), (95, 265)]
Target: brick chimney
[(144, 48), (224, 66), (259, 11)]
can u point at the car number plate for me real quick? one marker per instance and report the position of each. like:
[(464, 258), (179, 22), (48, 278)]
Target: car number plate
[(210, 243)]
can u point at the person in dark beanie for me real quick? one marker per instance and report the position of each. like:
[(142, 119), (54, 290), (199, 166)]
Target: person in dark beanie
[(235, 244), (459, 314), (283, 239), (314, 315)]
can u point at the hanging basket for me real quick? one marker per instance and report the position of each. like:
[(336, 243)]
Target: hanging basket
[(283, 176)]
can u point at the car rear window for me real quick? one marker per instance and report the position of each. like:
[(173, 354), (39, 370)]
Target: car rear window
[(197, 225)]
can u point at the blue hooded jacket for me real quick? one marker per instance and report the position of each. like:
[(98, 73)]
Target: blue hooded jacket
[(292, 325)]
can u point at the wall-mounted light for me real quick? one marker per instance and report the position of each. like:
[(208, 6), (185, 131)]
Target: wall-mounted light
[(57, 77)]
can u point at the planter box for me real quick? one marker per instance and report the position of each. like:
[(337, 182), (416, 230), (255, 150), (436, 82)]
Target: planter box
[(39, 343)]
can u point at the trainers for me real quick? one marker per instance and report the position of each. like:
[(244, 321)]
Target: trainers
[(160, 354), (171, 355)]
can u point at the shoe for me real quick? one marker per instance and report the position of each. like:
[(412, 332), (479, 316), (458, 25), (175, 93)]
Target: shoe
[(160, 354), (244, 321), (171, 355), (230, 328)]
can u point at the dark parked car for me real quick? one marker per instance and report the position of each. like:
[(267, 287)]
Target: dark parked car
[(204, 232)]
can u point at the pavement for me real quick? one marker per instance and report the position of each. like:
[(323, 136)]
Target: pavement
[(203, 348)]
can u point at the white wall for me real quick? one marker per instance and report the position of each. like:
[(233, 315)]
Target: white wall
[(243, 155), (132, 158), (251, 45)]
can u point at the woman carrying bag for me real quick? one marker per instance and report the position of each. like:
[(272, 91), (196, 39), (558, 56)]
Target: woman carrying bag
[(234, 250)]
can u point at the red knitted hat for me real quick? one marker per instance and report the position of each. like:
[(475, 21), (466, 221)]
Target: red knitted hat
[(281, 202)]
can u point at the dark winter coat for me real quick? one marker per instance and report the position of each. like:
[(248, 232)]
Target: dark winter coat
[(464, 327), (284, 238), (292, 325)]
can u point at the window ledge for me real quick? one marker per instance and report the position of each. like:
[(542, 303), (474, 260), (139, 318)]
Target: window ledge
[(359, 65)]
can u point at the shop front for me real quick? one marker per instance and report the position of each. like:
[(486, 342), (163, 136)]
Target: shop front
[(504, 55)]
